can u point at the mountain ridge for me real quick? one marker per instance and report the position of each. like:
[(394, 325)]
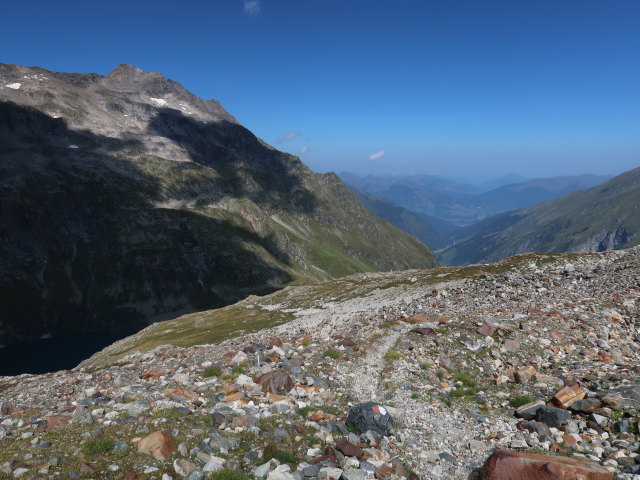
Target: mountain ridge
[(128, 199), (602, 218)]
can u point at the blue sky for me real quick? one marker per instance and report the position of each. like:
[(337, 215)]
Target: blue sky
[(454, 87)]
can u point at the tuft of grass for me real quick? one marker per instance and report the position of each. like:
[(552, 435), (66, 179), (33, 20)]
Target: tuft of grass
[(305, 411), (235, 373), (424, 366), (212, 372), (415, 396), (168, 413), (96, 447), (520, 400), (386, 325), (332, 354), (467, 379), (227, 475), (306, 343), (440, 375), (392, 355), (463, 392), (271, 451)]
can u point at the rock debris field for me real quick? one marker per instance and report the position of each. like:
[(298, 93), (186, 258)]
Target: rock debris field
[(523, 369)]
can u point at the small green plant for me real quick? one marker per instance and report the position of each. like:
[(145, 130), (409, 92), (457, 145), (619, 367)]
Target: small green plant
[(392, 355), (212, 372), (227, 475), (446, 401), (415, 396), (520, 400), (386, 325), (168, 413), (617, 415), (467, 379), (440, 375), (235, 373), (305, 343), (352, 429), (424, 366), (462, 392), (332, 354), (305, 411), (96, 447), (271, 451)]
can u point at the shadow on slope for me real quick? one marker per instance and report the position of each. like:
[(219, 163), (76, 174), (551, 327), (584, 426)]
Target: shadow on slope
[(82, 248), (248, 167)]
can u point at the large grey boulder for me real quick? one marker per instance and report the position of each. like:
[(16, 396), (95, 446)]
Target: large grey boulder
[(370, 416)]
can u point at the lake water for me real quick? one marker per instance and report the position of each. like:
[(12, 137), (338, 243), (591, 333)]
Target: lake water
[(53, 354)]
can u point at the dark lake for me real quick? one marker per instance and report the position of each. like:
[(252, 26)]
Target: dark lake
[(53, 354)]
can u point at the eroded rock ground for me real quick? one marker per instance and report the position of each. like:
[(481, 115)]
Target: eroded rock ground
[(556, 338)]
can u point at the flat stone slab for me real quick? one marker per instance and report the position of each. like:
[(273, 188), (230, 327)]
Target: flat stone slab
[(509, 465)]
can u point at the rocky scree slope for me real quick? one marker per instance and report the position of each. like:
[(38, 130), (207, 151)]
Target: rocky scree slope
[(602, 218), (126, 199), (537, 353)]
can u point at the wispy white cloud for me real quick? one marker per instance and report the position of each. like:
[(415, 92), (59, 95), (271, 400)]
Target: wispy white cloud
[(252, 7), (287, 137), (377, 155), (304, 149)]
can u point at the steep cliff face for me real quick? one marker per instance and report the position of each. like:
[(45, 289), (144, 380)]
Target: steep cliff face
[(602, 218), (126, 199)]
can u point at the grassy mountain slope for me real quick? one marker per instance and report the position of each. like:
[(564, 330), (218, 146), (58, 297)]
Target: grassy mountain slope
[(125, 199), (601, 218)]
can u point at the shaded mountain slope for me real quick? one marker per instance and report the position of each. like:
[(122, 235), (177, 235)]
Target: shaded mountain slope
[(126, 199), (602, 218), (431, 231)]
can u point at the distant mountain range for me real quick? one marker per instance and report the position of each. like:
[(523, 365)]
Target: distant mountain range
[(463, 204), (126, 199), (601, 218)]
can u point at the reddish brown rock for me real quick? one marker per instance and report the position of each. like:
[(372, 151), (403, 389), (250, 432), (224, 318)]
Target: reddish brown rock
[(486, 330), (524, 374), (275, 342), (508, 465), (564, 397), (154, 373), (349, 449), (423, 331), (233, 397), (160, 445), (275, 381), (385, 472), (347, 342), (56, 421)]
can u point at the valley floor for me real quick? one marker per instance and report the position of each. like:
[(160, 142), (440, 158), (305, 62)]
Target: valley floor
[(449, 352)]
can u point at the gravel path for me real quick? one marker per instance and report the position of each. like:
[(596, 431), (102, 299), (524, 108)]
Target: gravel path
[(367, 370)]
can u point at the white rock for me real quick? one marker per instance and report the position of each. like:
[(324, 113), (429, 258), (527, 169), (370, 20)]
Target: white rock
[(281, 472), (244, 380), (14, 86)]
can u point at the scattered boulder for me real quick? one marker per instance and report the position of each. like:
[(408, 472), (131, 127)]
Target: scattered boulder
[(370, 416), (509, 465), (275, 381), (160, 445), (552, 416)]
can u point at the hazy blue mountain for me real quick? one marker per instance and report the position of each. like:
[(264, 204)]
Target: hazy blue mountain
[(463, 204), (601, 218), (432, 231)]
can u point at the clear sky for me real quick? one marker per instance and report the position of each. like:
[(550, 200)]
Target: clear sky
[(457, 87)]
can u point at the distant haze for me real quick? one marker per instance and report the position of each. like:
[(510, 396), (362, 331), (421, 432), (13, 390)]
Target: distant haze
[(468, 88)]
